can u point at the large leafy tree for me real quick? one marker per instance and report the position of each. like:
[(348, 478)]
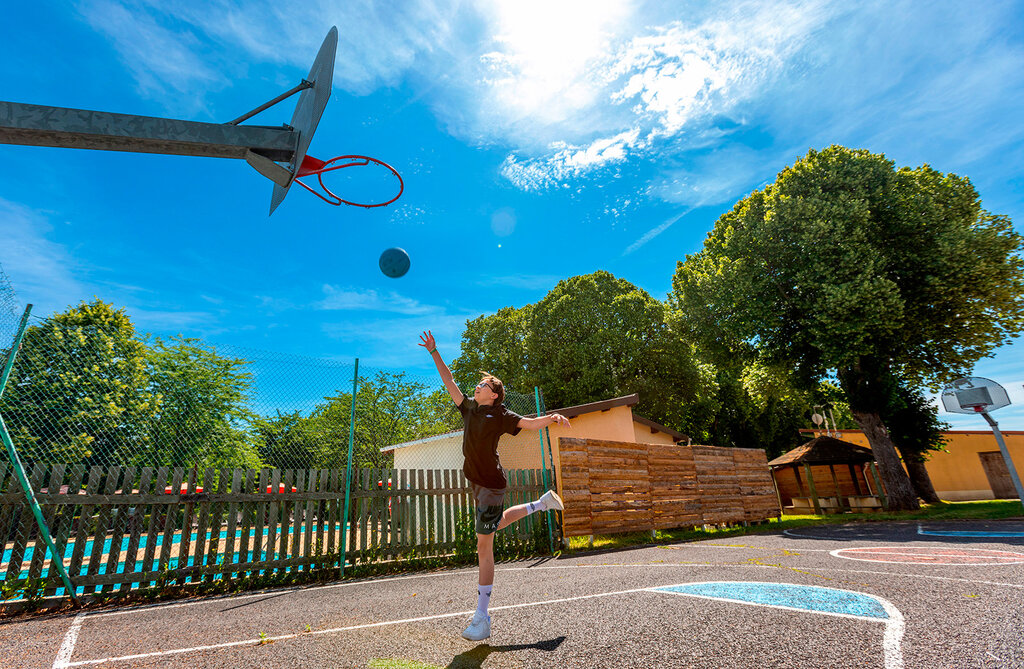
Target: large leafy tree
[(496, 344), (846, 263), (593, 337), (78, 391), (202, 415)]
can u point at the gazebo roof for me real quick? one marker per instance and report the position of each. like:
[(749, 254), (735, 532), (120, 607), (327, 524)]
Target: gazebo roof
[(825, 451)]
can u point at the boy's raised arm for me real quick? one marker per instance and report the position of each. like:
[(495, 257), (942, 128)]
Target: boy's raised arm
[(427, 342)]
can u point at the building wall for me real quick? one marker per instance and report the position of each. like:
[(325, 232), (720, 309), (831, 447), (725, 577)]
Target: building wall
[(523, 451), (642, 434), (957, 475)]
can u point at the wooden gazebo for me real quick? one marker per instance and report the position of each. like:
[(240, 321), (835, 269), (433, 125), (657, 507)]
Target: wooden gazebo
[(847, 489)]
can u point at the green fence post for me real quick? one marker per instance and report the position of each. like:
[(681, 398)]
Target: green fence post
[(55, 560), (348, 469), (543, 466)]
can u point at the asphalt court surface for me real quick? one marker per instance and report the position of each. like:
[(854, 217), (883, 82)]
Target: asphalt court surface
[(864, 595)]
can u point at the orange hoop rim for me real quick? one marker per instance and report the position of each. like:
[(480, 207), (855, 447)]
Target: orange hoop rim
[(311, 165)]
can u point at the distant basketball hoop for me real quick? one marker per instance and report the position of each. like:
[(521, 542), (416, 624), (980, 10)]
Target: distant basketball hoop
[(973, 395)]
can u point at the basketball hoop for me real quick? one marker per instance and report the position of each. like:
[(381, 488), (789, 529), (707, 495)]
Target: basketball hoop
[(974, 395), (311, 165)]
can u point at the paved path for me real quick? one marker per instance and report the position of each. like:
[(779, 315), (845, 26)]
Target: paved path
[(872, 595)]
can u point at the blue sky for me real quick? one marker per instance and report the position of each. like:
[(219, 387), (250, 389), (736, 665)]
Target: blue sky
[(537, 140)]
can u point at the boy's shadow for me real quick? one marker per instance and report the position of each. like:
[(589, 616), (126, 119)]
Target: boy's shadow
[(473, 659)]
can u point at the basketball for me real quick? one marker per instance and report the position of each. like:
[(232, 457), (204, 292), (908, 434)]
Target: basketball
[(394, 262)]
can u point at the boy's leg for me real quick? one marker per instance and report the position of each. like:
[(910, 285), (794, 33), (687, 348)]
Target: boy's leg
[(489, 507), (485, 556), (548, 501)]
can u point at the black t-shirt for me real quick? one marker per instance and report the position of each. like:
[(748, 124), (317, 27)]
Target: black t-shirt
[(484, 425)]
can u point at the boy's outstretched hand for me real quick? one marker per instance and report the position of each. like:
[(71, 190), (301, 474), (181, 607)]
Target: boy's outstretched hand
[(427, 342)]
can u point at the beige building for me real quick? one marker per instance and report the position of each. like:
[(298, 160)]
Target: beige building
[(971, 468), (610, 420)]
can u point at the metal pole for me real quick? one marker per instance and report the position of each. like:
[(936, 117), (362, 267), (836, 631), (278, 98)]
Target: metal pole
[(544, 467), (267, 105), (1006, 456), (57, 561), (348, 468)]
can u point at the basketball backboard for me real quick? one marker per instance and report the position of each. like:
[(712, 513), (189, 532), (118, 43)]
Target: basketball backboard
[(974, 395), (309, 109)]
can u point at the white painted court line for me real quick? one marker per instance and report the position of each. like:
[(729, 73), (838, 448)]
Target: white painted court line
[(904, 575), (858, 553), (849, 537), (257, 641), (70, 639), (264, 593), (754, 548)]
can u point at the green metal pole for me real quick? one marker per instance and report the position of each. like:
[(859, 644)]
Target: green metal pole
[(544, 467), (348, 468), (57, 561)]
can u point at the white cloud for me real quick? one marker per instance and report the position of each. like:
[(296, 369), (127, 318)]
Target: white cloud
[(40, 271), (165, 59), (526, 282), (340, 299), (393, 342), (572, 88), (654, 232), (188, 322), (659, 89)]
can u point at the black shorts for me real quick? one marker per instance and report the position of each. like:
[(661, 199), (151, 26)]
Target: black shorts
[(490, 505)]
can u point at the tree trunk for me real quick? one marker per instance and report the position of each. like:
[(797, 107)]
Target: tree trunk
[(898, 489), (919, 476)]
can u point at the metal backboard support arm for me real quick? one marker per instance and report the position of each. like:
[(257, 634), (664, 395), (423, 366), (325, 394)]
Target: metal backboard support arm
[(38, 125), (56, 561), (1006, 455)]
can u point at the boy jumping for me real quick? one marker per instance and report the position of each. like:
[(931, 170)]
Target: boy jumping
[(485, 419)]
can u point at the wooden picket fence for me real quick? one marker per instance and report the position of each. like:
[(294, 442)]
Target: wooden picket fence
[(124, 527), (610, 486)]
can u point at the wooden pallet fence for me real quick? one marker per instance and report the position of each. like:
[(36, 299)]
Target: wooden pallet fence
[(123, 527), (757, 490), (613, 487)]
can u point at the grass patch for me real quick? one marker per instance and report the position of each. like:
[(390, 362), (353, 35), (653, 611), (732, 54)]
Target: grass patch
[(985, 510), (382, 663)]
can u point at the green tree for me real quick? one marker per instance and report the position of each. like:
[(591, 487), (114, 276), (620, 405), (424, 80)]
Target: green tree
[(202, 417), (497, 344), (285, 441), (914, 425), (593, 337), (390, 409), (78, 392), (849, 264)]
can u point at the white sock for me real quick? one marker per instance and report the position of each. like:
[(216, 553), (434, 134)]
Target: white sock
[(534, 507), (483, 598)]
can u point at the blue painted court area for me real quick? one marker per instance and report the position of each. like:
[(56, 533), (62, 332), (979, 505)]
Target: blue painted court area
[(968, 533), (829, 601)]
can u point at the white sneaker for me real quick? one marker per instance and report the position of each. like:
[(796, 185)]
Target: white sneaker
[(479, 628), (551, 501)]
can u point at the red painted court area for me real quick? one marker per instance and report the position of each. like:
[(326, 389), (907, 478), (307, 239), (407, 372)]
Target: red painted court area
[(930, 555)]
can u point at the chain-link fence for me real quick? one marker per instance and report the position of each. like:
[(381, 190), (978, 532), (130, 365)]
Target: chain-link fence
[(87, 389), (108, 421)]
